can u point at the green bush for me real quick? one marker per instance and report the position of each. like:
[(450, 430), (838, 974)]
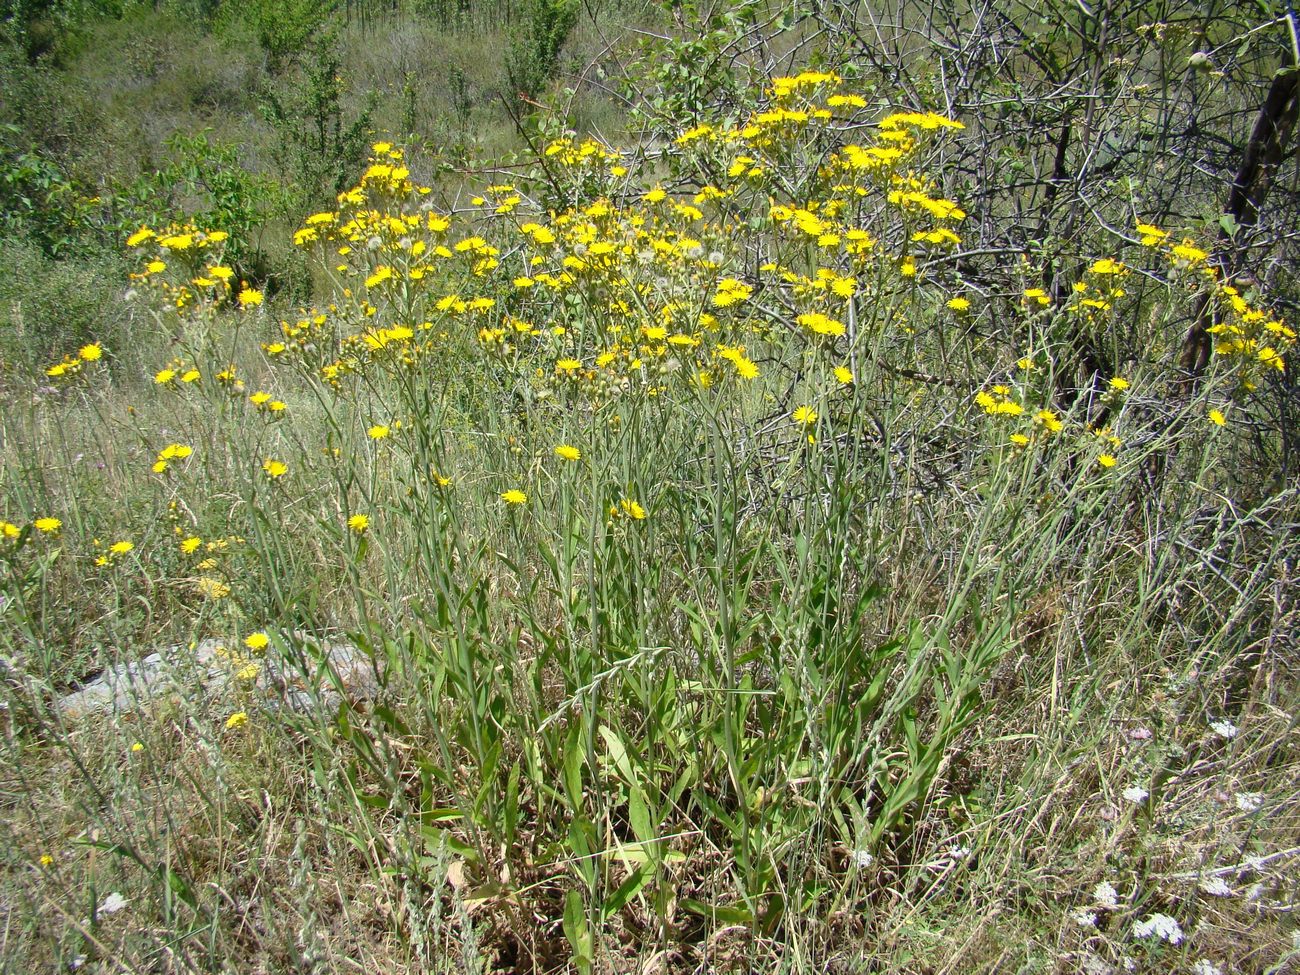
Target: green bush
[(535, 48)]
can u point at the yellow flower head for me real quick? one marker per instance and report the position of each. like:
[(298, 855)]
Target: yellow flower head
[(632, 509), (1107, 266), (514, 496), (275, 468), (89, 353), (805, 415), (236, 720), (378, 432), (250, 297), (257, 641), (212, 588), (47, 525), (121, 548), (567, 452), (359, 523)]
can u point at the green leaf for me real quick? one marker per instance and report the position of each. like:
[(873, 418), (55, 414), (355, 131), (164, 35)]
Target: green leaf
[(725, 913), (628, 889), (573, 761), (577, 932)]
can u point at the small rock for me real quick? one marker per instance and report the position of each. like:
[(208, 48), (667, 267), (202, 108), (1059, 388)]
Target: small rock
[(314, 675)]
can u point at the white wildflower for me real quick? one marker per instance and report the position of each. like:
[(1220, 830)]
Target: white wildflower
[(1140, 734), (862, 859), (958, 852), (1106, 895), (1248, 802), (1135, 793), (1216, 887), (1085, 919), (1161, 926), (1203, 966), (1224, 728)]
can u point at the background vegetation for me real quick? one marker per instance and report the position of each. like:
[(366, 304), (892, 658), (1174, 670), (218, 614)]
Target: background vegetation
[(814, 486)]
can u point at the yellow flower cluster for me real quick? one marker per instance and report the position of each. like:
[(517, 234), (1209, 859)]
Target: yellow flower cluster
[(184, 264)]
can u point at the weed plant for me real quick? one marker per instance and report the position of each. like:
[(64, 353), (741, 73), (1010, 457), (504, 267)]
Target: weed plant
[(738, 595)]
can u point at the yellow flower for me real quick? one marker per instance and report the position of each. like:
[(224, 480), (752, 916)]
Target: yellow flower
[(820, 324), (1189, 252), (189, 545), (844, 375), (378, 432), (805, 415), (1020, 440), (1107, 266), (8, 530), (164, 376), (236, 720), (139, 237), (89, 353), (137, 746), (567, 452), (249, 297), (959, 304), (514, 496), (212, 588), (730, 292), (220, 272), (1049, 420), (191, 376), (1106, 460), (47, 525), (632, 509), (359, 523), (1119, 383), (121, 548), (47, 860), (1217, 418), (257, 641), (1151, 235), (275, 468)]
